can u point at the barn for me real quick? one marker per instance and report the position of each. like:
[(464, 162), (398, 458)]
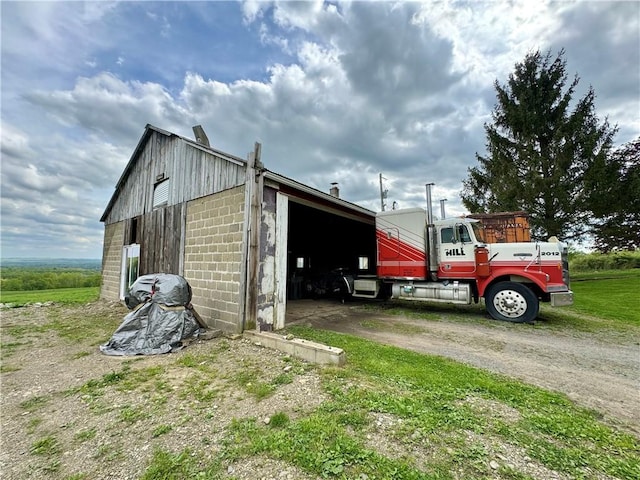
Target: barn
[(246, 239)]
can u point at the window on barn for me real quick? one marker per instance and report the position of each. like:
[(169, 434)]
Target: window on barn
[(161, 193)]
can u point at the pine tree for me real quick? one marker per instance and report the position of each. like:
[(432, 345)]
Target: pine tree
[(615, 199), (540, 144)]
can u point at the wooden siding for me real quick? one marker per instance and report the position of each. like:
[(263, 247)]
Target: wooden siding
[(162, 240), (191, 171)]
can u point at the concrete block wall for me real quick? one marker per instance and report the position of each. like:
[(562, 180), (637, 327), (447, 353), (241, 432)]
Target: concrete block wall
[(213, 256), (112, 261)]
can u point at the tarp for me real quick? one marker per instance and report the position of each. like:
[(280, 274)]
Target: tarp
[(161, 317)]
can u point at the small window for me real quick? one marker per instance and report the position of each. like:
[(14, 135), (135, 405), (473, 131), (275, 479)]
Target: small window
[(300, 262), (161, 193), (363, 263), (446, 235)]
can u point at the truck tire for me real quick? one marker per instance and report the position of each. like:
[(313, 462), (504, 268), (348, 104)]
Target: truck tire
[(511, 302)]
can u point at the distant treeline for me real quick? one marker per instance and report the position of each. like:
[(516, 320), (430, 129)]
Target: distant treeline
[(53, 263), (49, 274)]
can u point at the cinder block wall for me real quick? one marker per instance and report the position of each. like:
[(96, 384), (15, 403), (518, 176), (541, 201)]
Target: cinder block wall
[(112, 261), (213, 256)]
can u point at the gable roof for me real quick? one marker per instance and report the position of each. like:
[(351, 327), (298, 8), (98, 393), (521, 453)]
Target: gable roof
[(333, 203), (148, 132)]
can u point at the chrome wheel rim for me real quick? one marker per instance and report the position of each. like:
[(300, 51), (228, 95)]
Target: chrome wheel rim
[(510, 303)]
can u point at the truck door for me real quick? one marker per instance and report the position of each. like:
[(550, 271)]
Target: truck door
[(455, 252)]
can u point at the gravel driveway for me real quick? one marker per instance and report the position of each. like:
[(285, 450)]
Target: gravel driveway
[(599, 370)]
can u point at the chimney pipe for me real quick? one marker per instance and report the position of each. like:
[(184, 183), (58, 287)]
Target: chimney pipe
[(201, 137), (334, 191)]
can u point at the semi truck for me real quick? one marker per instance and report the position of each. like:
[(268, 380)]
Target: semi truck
[(450, 261)]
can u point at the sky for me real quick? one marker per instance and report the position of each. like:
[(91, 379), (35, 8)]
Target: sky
[(334, 91)]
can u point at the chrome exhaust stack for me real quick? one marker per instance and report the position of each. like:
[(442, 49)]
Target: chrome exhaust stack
[(432, 251)]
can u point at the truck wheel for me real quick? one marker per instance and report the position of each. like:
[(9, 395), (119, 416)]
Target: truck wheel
[(512, 302)]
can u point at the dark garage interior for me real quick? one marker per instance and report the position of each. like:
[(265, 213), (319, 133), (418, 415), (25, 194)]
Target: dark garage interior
[(320, 242)]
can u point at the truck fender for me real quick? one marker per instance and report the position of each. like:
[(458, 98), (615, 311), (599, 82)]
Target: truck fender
[(537, 278)]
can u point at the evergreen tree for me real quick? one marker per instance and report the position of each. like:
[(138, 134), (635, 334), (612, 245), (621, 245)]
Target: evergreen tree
[(540, 145), (615, 199)]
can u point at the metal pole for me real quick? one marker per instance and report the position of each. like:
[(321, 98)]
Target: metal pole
[(381, 194), (432, 253), (429, 204), (442, 208)]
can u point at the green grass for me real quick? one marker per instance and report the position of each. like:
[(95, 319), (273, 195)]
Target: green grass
[(599, 274), (47, 446), (85, 435), (434, 402), (166, 465), (609, 298), (58, 295), (161, 430)]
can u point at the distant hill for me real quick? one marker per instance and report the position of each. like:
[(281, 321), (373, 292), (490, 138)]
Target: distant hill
[(53, 263)]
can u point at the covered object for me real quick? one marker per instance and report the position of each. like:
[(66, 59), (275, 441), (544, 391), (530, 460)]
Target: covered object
[(161, 317)]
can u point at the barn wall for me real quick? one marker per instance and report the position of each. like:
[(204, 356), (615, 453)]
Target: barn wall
[(111, 261), (213, 257), (191, 173)]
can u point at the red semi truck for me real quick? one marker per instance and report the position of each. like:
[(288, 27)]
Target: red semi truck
[(449, 261)]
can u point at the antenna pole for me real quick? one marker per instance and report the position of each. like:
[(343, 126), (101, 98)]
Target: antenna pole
[(383, 194)]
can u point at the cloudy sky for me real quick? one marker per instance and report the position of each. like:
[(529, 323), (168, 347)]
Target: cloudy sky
[(335, 91)]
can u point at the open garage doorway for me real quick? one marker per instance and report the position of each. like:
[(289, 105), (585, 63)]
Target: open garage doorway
[(322, 244)]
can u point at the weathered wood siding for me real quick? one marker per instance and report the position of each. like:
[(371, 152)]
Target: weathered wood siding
[(191, 171), (162, 243)]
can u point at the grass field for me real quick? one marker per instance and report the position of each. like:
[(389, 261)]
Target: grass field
[(58, 295), (609, 295)]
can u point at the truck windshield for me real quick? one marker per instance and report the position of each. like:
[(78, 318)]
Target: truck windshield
[(478, 230)]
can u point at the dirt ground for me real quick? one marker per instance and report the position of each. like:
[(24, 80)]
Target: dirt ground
[(598, 370), (110, 436)]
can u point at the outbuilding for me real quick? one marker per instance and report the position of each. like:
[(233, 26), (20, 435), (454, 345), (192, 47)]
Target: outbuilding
[(247, 239)]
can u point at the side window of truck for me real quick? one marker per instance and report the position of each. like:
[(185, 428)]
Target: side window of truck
[(446, 235)]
